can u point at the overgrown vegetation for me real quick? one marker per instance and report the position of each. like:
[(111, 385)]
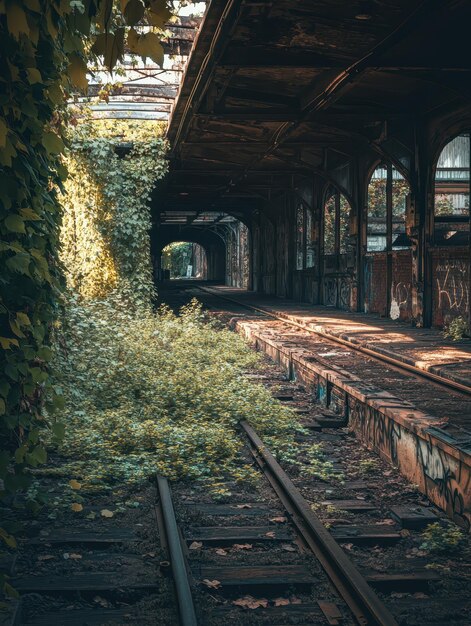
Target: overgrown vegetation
[(45, 46), (176, 257), (105, 237), (149, 392), (456, 329), (441, 537)]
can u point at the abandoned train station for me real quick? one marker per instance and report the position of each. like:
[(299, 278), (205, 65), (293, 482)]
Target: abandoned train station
[(235, 313), (320, 151)]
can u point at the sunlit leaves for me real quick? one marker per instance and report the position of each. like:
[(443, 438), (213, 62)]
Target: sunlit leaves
[(78, 72), (146, 45), (149, 45), (105, 237), (159, 13), (53, 143)]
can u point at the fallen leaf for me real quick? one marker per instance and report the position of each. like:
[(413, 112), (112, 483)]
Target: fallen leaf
[(347, 546), (151, 555), (101, 601), (74, 484), (288, 547), (196, 545), (242, 546), (91, 515), (270, 534), (249, 602), (279, 520), (46, 557), (420, 595), (75, 556), (243, 506), (281, 601), (404, 532), (212, 584), (76, 507), (221, 552), (106, 513)]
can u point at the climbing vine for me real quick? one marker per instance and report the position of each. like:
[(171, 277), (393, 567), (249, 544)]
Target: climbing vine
[(105, 243), (44, 46)]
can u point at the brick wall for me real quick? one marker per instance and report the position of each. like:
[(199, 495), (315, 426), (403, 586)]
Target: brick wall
[(375, 284), (450, 285), (401, 288)]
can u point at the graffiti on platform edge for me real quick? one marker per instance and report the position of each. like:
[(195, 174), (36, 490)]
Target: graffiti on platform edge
[(444, 479)]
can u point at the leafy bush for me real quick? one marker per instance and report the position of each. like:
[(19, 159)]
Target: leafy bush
[(150, 392), (456, 329), (438, 537)]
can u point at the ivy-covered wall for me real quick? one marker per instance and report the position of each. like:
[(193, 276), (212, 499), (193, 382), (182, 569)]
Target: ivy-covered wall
[(44, 49), (113, 167)]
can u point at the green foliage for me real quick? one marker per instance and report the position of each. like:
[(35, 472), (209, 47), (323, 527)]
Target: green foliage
[(106, 224), (368, 466), (153, 392), (442, 537), (44, 47), (176, 257), (456, 329), (33, 85)]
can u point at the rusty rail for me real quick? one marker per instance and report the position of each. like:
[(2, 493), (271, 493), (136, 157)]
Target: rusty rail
[(178, 563), (365, 605), (396, 363)]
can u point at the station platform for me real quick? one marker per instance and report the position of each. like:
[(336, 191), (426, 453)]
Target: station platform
[(423, 348), (421, 427)]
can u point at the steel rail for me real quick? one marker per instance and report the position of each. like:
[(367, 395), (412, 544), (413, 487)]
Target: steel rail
[(365, 605), (400, 365), (177, 559)]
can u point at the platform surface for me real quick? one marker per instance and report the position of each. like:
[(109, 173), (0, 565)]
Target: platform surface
[(424, 348)]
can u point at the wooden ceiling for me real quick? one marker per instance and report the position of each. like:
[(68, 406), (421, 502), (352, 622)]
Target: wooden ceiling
[(278, 87)]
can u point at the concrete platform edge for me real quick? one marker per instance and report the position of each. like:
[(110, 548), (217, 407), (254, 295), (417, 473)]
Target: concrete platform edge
[(409, 439)]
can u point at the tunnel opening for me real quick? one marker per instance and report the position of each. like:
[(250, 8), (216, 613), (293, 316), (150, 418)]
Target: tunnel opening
[(184, 259), (205, 245)]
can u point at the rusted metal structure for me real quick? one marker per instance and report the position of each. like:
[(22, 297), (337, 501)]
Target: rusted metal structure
[(321, 125)]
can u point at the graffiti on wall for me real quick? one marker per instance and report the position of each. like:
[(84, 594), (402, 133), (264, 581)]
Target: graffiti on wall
[(451, 278), (446, 477), (330, 292), (400, 299), (442, 477), (344, 294)]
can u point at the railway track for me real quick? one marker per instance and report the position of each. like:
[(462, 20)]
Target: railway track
[(398, 365), (101, 568), (316, 581), (434, 398), (295, 548), (375, 518)]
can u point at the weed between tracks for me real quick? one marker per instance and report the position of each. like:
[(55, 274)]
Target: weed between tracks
[(154, 392)]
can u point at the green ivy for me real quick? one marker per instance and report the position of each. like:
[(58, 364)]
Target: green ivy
[(44, 48), (105, 237)]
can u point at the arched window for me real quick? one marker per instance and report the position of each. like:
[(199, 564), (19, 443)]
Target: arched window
[(305, 243), (387, 203), (336, 223), (452, 189)]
